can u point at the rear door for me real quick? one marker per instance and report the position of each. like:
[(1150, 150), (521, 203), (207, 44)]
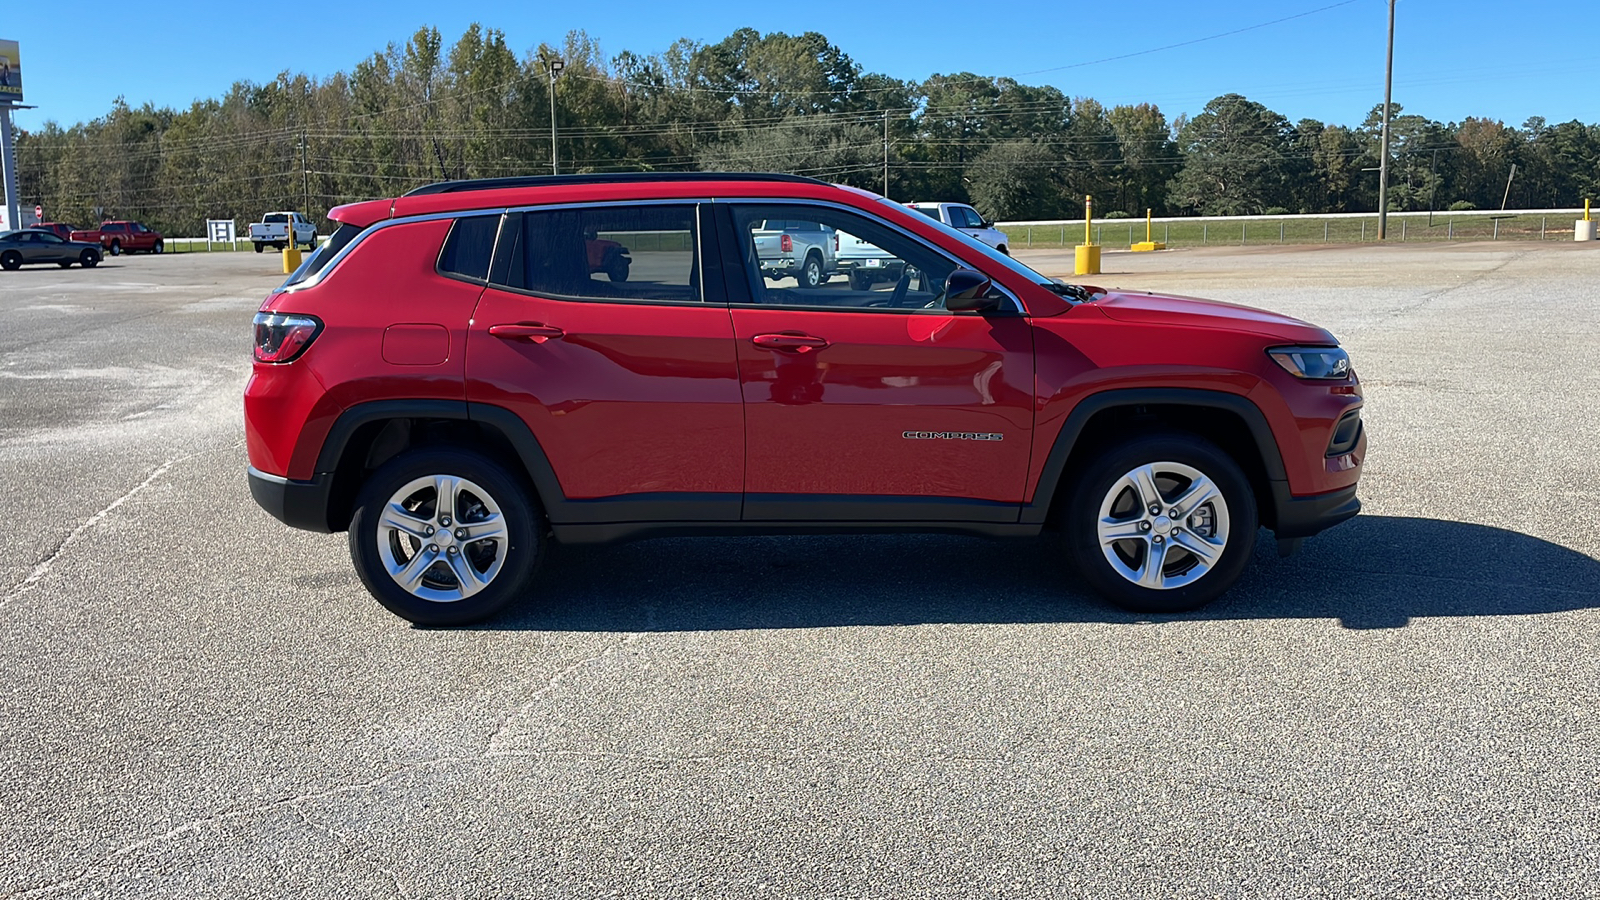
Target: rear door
[(624, 373), (874, 402)]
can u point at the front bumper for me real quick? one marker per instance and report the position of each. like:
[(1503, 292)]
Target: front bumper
[(1301, 517), (298, 504)]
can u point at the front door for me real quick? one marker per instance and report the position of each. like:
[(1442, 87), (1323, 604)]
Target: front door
[(875, 403), (595, 332)]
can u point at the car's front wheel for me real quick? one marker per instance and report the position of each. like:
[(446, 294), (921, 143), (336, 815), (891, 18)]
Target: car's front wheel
[(445, 537), (88, 259), (1162, 523)]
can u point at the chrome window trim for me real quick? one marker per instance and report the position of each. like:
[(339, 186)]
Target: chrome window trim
[(375, 227), (1017, 306)]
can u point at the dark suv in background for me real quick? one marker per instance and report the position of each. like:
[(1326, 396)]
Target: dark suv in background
[(453, 381)]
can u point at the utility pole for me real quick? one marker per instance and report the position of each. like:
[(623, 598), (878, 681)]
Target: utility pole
[(886, 153), (305, 174), (1383, 164), (556, 66)]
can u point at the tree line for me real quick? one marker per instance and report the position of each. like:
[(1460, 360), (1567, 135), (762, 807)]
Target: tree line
[(422, 111)]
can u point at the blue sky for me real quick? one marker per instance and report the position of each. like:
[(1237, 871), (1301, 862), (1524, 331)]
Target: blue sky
[(1453, 58)]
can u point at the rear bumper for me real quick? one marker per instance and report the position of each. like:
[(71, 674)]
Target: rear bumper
[(1299, 517), (298, 504)]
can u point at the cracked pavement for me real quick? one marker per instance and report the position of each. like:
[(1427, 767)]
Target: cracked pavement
[(200, 702)]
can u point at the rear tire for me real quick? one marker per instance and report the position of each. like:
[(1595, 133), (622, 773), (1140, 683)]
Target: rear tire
[(10, 260), (259, 247), (116, 248), (860, 281), (811, 272), (495, 527), (65, 265), (1119, 520)]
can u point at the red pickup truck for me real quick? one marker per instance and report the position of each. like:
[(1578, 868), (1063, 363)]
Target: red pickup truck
[(122, 237)]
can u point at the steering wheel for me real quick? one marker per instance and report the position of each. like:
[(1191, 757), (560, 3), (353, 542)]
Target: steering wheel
[(901, 286)]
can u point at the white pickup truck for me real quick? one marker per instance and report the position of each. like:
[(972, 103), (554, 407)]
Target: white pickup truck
[(274, 231), (966, 220)]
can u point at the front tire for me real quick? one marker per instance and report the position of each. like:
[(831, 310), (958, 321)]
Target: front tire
[(159, 248), (116, 248), (88, 259), (445, 537), (1161, 524)]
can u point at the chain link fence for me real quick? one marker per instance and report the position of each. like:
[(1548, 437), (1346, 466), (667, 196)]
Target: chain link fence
[(1344, 228)]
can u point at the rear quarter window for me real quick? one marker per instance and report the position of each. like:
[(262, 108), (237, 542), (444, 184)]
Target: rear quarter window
[(469, 247)]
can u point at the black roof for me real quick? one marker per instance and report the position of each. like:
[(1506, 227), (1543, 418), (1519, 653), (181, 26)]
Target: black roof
[(489, 184)]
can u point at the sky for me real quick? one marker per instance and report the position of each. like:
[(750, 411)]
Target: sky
[(1320, 59)]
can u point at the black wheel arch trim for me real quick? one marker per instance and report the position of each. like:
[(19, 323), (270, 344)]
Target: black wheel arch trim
[(1067, 438)]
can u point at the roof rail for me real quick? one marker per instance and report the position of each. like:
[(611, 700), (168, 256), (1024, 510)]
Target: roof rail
[(489, 184)]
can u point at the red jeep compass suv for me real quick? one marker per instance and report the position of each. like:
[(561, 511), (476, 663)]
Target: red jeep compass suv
[(452, 380)]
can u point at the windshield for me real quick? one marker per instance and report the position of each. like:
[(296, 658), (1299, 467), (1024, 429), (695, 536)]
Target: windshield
[(988, 251), (931, 212)]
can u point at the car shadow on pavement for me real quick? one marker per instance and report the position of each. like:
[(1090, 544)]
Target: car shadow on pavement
[(1370, 572)]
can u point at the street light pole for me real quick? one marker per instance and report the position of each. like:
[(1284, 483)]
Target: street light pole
[(556, 66), (1383, 164)]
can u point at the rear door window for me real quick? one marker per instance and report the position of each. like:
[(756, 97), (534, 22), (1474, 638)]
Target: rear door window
[(614, 253)]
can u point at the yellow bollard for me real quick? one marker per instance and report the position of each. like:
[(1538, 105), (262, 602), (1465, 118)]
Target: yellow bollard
[(1149, 243), (291, 257), (1086, 261)]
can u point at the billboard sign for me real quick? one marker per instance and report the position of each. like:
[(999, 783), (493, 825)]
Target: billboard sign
[(10, 73)]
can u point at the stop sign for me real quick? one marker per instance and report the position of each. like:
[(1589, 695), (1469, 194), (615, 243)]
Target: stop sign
[(38, 212)]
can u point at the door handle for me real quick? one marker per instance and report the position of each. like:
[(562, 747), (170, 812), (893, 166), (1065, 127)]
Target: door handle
[(794, 343), (526, 332)]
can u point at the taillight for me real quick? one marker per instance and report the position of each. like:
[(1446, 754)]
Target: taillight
[(280, 338), (836, 242), (786, 244)]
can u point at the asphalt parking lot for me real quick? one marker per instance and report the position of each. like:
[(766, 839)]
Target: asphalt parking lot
[(199, 702)]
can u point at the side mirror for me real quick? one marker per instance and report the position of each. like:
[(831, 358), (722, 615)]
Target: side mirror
[(967, 291)]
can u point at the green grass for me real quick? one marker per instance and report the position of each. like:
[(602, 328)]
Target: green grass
[(1115, 233)]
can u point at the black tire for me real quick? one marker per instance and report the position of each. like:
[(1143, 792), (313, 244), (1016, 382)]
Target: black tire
[(259, 246), (810, 275), (88, 259), (1004, 249), (116, 248), (617, 268), (522, 546), (277, 246), (160, 247), (860, 281), (10, 260), (65, 265), (1236, 517)]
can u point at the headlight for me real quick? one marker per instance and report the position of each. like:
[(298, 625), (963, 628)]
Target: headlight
[(1330, 363)]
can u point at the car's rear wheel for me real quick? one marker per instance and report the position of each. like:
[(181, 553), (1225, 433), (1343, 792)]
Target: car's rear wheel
[(860, 281), (88, 259), (1162, 523), (65, 265), (445, 537), (116, 248), (10, 260), (811, 272), (259, 247)]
